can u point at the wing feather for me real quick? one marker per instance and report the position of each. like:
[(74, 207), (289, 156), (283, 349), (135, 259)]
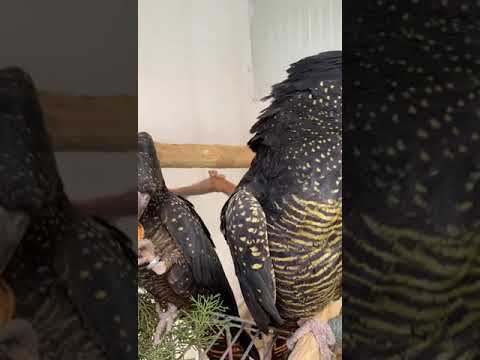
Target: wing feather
[(245, 228), (97, 269)]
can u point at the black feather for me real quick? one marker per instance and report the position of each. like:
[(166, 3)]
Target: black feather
[(74, 268), (177, 216), (295, 182), (245, 228)]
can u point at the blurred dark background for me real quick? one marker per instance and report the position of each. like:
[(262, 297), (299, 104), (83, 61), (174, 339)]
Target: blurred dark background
[(75, 50)]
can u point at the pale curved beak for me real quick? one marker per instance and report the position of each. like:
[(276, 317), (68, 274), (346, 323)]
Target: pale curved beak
[(14, 225), (143, 200)]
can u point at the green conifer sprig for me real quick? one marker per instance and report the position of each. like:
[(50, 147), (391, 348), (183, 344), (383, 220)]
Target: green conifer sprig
[(194, 329)]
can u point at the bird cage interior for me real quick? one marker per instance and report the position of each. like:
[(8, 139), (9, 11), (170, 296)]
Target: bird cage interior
[(221, 132), (214, 153), (226, 118)]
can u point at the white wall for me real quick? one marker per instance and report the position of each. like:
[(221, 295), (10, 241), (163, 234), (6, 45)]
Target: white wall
[(194, 70)]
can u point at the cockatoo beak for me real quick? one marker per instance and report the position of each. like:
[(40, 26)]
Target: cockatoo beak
[(143, 200)]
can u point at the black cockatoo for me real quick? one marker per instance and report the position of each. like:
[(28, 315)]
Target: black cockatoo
[(184, 247), (412, 163), (284, 221), (73, 277)]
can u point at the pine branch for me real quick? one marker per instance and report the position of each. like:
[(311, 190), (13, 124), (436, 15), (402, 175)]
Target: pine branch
[(195, 329), (147, 322)]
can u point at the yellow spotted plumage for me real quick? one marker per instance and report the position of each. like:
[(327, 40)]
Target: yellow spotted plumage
[(70, 273), (412, 228), (284, 222), (183, 244)]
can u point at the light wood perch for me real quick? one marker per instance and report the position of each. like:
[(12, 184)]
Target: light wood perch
[(203, 156)]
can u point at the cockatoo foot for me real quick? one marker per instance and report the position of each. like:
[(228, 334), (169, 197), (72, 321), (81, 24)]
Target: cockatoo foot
[(322, 332), (165, 322)]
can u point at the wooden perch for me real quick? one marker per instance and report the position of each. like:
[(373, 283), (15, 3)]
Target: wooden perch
[(203, 156), (92, 123), (109, 123)]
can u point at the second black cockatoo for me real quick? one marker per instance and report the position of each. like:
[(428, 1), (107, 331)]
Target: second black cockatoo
[(190, 264), (284, 221)]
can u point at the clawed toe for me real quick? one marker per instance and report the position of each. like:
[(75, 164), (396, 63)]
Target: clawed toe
[(323, 335), (165, 322)]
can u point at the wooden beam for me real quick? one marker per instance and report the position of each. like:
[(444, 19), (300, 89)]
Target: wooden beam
[(203, 156), (91, 123), (109, 123)]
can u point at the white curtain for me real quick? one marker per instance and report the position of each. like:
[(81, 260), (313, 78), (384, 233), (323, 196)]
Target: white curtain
[(284, 31)]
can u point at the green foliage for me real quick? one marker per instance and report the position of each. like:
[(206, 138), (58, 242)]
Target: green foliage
[(147, 322), (195, 328)]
